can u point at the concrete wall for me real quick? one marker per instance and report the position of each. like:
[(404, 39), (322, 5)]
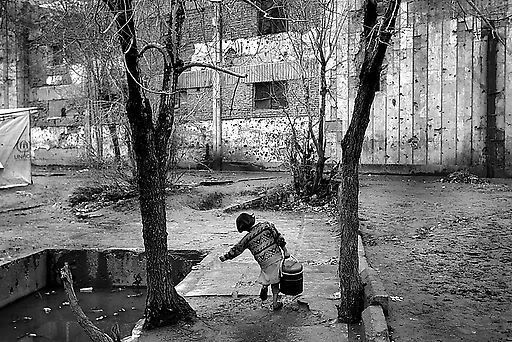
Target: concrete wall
[(96, 268), (22, 276), (260, 141), (432, 111)]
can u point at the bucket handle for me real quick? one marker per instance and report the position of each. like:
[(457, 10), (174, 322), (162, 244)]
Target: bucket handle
[(291, 257)]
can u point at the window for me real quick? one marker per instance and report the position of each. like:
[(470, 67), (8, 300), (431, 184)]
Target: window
[(56, 55), (181, 99), (270, 95), (275, 9)]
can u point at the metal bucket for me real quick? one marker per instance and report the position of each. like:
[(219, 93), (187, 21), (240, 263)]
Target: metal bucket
[(292, 281)]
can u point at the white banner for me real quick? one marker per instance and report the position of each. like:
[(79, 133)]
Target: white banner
[(15, 166)]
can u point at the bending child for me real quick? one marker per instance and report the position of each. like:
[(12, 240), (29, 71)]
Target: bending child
[(265, 244)]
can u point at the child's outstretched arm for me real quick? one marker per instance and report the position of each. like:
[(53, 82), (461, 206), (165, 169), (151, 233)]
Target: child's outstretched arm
[(234, 251)]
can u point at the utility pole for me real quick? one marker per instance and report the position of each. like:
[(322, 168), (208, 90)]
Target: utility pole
[(217, 88)]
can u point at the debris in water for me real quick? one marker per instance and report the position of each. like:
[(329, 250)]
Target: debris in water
[(86, 289), (47, 310), (25, 318), (396, 298), (134, 295)]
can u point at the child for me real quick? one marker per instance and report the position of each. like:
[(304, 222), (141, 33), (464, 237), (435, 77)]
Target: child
[(265, 244)]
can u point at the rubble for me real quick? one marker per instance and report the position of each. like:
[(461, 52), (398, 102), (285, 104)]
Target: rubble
[(463, 177)]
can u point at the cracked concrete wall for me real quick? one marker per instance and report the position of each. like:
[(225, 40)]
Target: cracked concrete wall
[(430, 112), (260, 141), (58, 145)]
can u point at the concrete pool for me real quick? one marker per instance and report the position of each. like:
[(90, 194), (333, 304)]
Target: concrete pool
[(33, 304)]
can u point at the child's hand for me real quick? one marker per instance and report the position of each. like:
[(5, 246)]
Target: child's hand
[(222, 258)]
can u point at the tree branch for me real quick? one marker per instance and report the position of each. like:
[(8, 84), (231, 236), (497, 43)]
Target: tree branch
[(266, 14), (94, 333), (156, 46), (159, 92), (487, 21), (210, 66)]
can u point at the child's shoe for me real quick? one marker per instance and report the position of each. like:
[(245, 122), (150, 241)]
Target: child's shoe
[(264, 293)]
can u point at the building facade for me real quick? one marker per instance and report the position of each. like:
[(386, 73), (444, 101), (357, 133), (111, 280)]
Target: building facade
[(443, 102)]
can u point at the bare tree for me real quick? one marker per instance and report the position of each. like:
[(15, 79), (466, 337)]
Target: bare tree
[(377, 33), (315, 28), (69, 37), (151, 133)]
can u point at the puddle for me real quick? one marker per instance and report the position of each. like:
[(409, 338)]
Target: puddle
[(26, 319)]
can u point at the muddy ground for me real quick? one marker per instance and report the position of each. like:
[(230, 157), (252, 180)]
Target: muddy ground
[(442, 250)]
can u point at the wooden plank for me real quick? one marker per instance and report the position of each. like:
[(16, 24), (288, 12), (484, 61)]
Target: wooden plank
[(500, 104), (342, 78), (479, 109), (353, 50), (371, 134), (367, 151), (464, 93), (379, 128), (449, 93), (434, 115), (393, 100), (406, 84), (420, 69), (508, 99), (368, 145)]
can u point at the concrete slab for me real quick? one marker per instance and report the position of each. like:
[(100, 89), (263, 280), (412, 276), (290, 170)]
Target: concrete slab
[(320, 290), (375, 325), (309, 238), (316, 333)]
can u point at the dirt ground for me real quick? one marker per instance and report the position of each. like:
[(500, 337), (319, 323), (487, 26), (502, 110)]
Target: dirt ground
[(442, 250), (444, 255), (242, 319)]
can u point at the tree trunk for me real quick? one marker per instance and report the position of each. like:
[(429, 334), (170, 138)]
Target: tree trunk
[(320, 163), (350, 307), (164, 306), (115, 142), (375, 39)]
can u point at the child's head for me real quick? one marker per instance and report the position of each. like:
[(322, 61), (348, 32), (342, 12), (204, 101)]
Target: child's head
[(244, 222)]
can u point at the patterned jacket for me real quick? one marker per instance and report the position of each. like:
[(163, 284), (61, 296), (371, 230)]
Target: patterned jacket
[(264, 242)]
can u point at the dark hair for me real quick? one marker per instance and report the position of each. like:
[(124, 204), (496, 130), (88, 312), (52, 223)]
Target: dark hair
[(244, 221)]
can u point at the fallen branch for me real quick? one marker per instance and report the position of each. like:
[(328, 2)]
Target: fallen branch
[(94, 333), (21, 208)]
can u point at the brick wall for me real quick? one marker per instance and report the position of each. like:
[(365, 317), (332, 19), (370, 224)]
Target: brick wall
[(249, 134), (239, 21)]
